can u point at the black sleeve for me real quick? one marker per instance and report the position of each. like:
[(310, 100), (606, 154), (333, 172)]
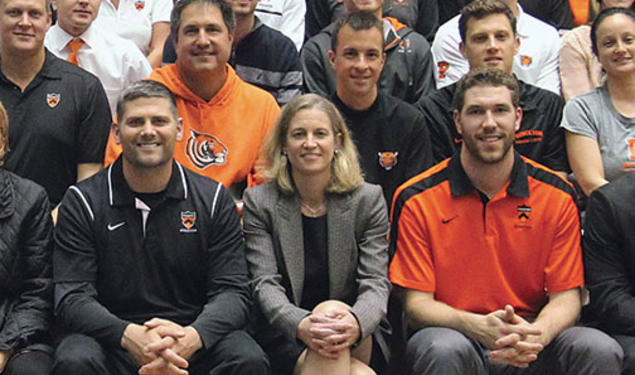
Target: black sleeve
[(75, 274), (228, 290), (423, 70), (291, 70), (554, 154), (557, 13), (30, 317), (606, 260), (94, 128), (313, 69), (428, 19), (439, 128), (420, 156)]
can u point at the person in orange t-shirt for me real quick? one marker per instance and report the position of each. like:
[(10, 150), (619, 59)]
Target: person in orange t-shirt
[(488, 253), (225, 119)]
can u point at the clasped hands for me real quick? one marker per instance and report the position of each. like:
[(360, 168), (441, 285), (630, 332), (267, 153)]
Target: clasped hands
[(161, 347), (329, 333), (511, 339)]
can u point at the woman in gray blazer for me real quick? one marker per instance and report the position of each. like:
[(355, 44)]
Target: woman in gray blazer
[(317, 247)]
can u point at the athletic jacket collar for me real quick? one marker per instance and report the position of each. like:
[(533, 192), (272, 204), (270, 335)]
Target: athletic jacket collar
[(119, 193), (461, 185)]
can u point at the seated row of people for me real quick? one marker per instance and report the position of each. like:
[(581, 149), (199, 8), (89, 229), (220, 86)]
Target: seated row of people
[(151, 271)]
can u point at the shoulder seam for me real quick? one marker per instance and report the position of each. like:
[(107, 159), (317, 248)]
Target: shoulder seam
[(84, 200)]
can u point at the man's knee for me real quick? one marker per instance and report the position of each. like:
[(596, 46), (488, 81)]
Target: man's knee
[(30, 362), (434, 348), (79, 354), (243, 354), (589, 350)]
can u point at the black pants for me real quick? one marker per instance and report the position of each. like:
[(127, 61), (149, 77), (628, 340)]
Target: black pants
[(30, 361), (235, 354), (628, 345)]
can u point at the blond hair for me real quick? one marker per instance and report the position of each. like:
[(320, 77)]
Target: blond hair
[(4, 132), (346, 174)]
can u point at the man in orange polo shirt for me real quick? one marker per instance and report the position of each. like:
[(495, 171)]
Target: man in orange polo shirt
[(488, 252), (225, 119)]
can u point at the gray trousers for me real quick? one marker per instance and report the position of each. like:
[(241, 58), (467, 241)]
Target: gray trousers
[(575, 351)]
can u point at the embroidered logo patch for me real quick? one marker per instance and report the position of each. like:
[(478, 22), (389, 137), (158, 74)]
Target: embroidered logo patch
[(443, 68), (523, 214), (139, 4), (188, 219), (525, 60), (204, 150), (53, 99), (388, 160)]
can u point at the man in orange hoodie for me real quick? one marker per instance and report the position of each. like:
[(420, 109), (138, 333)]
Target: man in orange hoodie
[(224, 118)]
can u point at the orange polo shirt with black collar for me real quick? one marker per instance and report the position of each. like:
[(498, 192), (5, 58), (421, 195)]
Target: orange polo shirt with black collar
[(478, 254)]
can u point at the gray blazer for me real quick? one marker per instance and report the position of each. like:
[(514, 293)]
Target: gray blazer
[(357, 226)]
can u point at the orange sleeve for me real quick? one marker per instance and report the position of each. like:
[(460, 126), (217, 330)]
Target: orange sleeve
[(413, 264), (256, 176), (113, 150), (564, 269)]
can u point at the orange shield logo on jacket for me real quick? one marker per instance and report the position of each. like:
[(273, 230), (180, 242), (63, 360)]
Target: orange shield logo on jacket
[(139, 4), (188, 218)]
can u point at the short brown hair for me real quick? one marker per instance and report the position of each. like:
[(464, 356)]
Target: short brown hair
[(346, 173), (362, 20), (479, 9), (484, 77)]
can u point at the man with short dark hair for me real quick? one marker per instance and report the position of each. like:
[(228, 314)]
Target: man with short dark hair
[(536, 61), (59, 112), (150, 273), (407, 71), (224, 118), (488, 253), (390, 134), (488, 29)]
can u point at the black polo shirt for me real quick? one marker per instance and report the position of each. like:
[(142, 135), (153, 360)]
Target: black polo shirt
[(392, 139), (183, 260), (62, 119), (539, 138)]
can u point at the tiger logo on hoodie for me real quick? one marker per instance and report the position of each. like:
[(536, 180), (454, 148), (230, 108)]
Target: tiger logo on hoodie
[(204, 150)]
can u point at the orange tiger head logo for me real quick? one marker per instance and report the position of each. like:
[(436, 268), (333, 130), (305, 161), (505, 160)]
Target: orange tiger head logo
[(388, 160), (204, 150)]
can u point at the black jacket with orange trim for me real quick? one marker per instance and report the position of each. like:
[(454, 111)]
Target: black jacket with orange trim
[(408, 72), (539, 138)]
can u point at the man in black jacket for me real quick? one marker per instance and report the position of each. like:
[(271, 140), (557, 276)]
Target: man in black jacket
[(609, 262), (25, 270), (150, 274), (390, 134)]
